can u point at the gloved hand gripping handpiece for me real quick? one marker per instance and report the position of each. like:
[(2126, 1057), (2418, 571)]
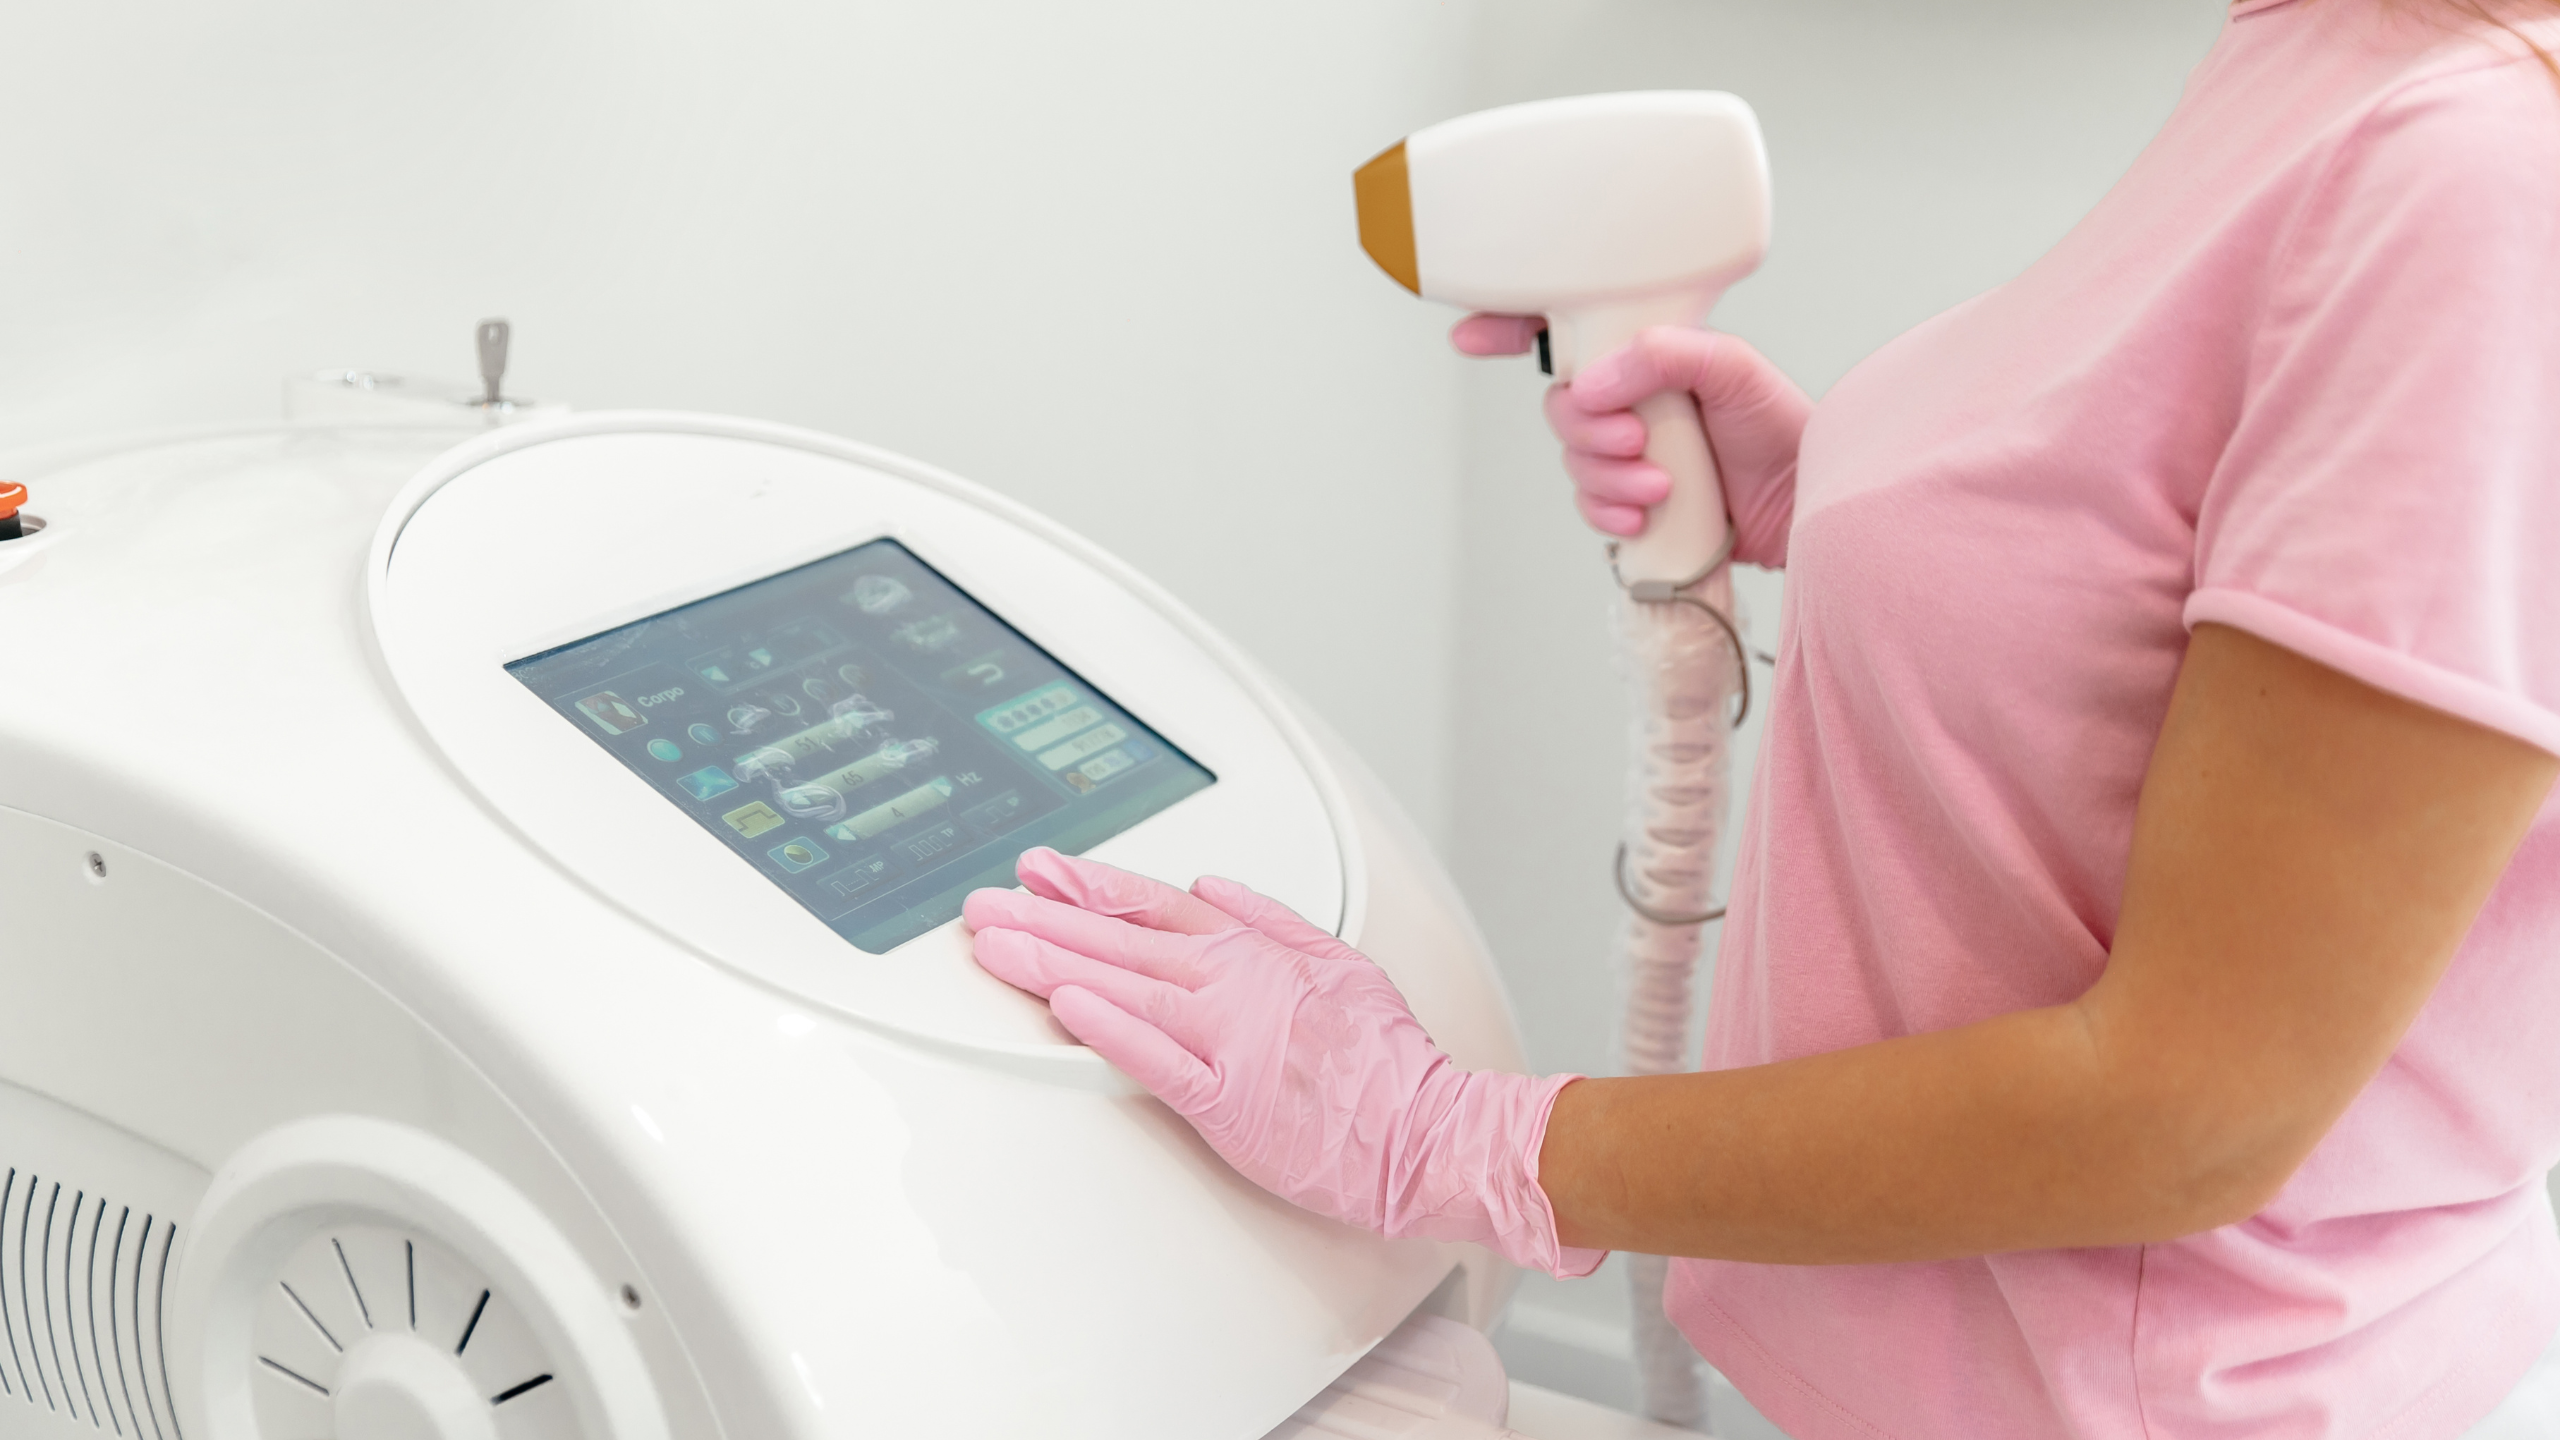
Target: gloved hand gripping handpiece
[(1607, 214)]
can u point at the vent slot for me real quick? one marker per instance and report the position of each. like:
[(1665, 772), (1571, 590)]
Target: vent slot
[(357, 1296), (82, 1279)]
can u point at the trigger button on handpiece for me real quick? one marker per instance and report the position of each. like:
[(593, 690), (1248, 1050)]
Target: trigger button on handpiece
[(1546, 353)]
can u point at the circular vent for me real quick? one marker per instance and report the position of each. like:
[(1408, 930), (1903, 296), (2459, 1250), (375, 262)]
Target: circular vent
[(377, 1332), (355, 1279)]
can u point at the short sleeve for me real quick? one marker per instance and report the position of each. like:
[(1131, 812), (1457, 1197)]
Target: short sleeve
[(1762, 515), (2389, 501)]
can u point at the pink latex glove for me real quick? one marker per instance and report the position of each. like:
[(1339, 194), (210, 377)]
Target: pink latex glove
[(1290, 1053), (1754, 415)]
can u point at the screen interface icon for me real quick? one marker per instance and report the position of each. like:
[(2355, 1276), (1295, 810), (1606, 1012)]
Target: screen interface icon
[(612, 713), (873, 741)]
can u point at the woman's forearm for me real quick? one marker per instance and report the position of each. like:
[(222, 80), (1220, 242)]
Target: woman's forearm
[(1997, 1136)]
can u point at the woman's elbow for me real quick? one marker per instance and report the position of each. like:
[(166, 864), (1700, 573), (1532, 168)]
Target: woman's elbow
[(2204, 1171)]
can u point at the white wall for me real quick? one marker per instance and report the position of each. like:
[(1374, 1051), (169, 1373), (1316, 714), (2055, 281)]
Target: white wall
[(1098, 256)]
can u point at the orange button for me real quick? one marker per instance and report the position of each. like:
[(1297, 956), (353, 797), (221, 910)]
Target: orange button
[(12, 495)]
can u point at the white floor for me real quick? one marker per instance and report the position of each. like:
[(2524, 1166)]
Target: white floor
[(1567, 1340), (1538, 1413)]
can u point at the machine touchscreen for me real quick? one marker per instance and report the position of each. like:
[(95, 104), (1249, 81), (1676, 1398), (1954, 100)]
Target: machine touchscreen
[(865, 734)]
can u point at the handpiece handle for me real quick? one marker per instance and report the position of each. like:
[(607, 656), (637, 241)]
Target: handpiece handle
[(1686, 532)]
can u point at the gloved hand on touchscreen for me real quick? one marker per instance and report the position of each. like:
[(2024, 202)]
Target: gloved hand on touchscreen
[(1290, 1052), (1754, 418)]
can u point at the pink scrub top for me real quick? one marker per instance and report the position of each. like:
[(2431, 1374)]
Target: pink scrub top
[(2299, 373)]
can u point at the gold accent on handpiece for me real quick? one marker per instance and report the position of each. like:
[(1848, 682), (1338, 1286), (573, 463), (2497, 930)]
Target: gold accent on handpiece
[(1385, 198)]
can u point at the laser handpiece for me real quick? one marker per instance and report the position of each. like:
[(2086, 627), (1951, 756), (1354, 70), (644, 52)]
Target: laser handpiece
[(1605, 214)]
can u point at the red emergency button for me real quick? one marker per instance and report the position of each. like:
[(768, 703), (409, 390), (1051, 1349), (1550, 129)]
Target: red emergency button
[(12, 495)]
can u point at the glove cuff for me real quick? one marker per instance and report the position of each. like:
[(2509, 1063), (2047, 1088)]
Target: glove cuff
[(1565, 1262), (1470, 1171)]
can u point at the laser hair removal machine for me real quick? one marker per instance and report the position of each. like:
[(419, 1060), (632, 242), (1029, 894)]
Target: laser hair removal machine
[(479, 944), (1606, 214)]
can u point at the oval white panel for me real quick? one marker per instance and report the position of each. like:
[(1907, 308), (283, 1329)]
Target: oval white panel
[(533, 539)]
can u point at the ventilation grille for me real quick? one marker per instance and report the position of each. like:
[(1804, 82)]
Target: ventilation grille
[(81, 1283), (372, 1306)]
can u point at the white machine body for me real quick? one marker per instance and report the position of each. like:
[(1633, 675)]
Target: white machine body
[(1605, 214), (388, 1055)]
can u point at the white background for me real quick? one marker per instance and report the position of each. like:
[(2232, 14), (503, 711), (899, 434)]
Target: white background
[(1098, 256)]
